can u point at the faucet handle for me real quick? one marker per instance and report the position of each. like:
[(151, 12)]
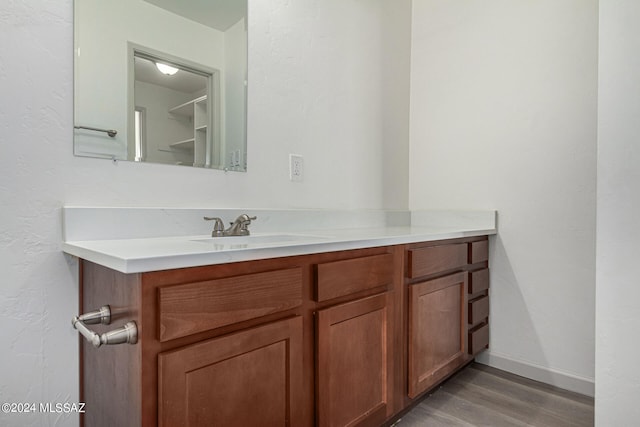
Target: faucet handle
[(240, 227), (218, 227), (246, 218)]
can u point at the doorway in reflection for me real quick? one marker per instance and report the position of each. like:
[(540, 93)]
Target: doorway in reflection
[(174, 118)]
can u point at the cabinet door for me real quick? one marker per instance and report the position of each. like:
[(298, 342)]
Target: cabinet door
[(437, 330), (249, 378), (355, 363)]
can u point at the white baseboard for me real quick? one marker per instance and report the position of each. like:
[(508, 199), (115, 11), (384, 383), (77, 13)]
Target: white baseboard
[(543, 374)]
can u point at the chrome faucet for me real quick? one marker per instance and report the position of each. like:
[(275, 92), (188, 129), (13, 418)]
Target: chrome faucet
[(218, 227), (239, 227)]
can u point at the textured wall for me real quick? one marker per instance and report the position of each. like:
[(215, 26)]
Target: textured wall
[(319, 86), (38, 290)]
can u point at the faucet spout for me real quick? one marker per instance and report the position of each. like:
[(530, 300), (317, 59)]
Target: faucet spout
[(239, 227)]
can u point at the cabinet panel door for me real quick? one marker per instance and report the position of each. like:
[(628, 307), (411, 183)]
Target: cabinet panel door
[(437, 330), (249, 378), (355, 363)]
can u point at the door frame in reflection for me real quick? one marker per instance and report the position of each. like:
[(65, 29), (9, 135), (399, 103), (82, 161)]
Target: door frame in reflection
[(214, 155)]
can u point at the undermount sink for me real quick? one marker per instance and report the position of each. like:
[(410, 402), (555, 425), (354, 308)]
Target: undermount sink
[(260, 239)]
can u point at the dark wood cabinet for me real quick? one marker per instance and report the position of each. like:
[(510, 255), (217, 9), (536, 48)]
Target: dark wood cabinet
[(354, 339), (355, 362), (478, 309), (437, 330), (186, 309), (347, 277), (447, 286), (248, 378), (331, 339)]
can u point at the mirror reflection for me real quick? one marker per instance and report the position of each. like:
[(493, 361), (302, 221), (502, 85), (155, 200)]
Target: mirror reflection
[(161, 81), (173, 115)]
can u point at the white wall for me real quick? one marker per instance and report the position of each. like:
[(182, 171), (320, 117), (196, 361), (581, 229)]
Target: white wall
[(503, 116), (162, 128), (234, 133), (328, 81), (617, 290), (317, 88)]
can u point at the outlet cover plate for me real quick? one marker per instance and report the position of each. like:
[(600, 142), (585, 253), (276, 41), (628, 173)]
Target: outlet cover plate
[(296, 168)]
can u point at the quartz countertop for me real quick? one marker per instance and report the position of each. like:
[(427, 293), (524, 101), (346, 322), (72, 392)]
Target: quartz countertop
[(136, 255)]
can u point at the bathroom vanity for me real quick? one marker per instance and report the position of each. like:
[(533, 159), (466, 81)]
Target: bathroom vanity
[(332, 337)]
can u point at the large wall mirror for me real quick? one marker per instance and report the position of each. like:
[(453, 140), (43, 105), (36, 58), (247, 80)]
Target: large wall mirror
[(161, 81)]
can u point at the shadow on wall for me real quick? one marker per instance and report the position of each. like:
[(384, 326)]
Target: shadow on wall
[(513, 336)]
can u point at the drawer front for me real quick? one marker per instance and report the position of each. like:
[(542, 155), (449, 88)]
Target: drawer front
[(340, 278), (478, 338), (434, 259), (196, 307), (478, 310), (479, 252), (479, 281)]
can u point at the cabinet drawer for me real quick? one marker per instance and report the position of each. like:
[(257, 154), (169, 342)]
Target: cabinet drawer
[(478, 338), (478, 310), (340, 278), (434, 259), (478, 281), (195, 307), (479, 252)]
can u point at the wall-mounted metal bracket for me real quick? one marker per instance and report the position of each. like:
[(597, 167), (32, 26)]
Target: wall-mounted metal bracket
[(127, 334)]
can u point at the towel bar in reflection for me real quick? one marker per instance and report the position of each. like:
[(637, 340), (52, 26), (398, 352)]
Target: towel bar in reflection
[(112, 133)]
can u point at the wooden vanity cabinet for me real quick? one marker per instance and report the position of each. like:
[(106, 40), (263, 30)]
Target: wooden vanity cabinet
[(447, 309), (250, 377), (212, 342), (333, 339), (478, 299), (437, 330), (355, 364)]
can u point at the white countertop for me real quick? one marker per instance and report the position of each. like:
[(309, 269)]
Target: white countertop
[(161, 253)]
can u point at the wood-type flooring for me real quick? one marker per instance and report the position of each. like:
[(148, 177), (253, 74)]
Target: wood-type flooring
[(483, 396)]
